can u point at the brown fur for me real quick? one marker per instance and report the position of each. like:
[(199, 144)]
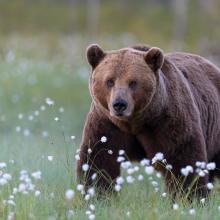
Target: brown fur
[(174, 108)]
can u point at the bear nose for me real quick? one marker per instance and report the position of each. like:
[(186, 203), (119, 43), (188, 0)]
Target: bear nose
[(120, 105)]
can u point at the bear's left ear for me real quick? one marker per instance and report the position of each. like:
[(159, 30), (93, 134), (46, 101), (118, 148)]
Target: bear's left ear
[(154, 58), (94, 55)]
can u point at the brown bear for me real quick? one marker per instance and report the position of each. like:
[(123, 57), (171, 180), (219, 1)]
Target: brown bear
[(144, 102)]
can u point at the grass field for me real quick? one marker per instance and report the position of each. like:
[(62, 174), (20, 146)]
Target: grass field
[(38, 143)]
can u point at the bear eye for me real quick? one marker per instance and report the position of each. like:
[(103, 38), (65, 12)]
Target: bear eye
[(133, 84), (110, 83)]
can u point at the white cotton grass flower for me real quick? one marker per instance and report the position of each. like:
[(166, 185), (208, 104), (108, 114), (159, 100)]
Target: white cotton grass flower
[(185, 171), (89, 150), (50, 158), (3, 165), (11, 216), (56, 119), (3, 181), (210, 186), (7, 176), (80, 187), (119, 180), (61, 110), (128, 213), (72, 137), (164, 194), (49, 101), (36, 175), (126, 164), (130, 171), (211, 166), (145, 162), (192, 211), (201, 164), (77, 157), (91, 191), (85, 167), (117, 187), (120, 159), (17, 128), (169, 167), (202, 201), (140, 177), (20, 116), (103, 139), (149, 170), (92, 207), (42, 108), (175, 206), (91, 217), (130, 179), (158, 157), (110, 152), (87, 197), (69, 194), (218, 208), (94, 175), (37, 193), (121, 152)]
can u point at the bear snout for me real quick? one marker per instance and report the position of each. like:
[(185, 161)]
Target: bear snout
[(120, 105)]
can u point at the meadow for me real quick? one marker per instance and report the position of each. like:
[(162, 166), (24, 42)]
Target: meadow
[(44, 99)]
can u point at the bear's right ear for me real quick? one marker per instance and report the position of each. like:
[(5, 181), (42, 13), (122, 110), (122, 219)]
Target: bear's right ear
[(154, 58), (94, 55)]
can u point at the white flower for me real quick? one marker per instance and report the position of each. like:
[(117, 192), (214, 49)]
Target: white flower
[(128, 213), (89, 150), (130, 171), (11, 216), (211, 166), (91, 191), (94, 175), (140, 177), (210, 186), (69, 194), (72, 137), (164, 194), (117, 188), (7, 176), (85, 167), (158, 157), (50, 158), (110, 152), (80, 187), (154, 183), (36, 175), (42, 108), (49, 101), (3, 165), (201, 173), (192, 211), (130, 179), (121, 152), (91, 217), (77, 157), (185, 171), (61, 109), (56, 119), (92, 207), (219, 208), (103, 139), (175, 206), (201, 164), (120, 159), (145, 162), (87, 197), (37, 193), (149, 170), (3, 181), (120, 180), (17, 128), (45, 134), (11, 202), (202, 200), (126, 164), (26, 132)]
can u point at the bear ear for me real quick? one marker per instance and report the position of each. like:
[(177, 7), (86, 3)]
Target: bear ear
[(154, 58), (94, 55)]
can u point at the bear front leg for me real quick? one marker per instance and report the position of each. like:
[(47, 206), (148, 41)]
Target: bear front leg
[(99, 156)]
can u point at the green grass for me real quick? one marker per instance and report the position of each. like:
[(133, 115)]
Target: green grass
[(30, 74)]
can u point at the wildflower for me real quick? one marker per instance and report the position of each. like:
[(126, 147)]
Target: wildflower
[(49, 101), (91, 217), (79, 187), (17, 128), (42, 108), (50, 158), (89, 150), (120, 159), (69, 194), (3, 181), (201, 164), (175, 206), (145, 162), (202, 200), (45, 134), (91, 191), (130, 179), (36, 113), (77, 157), (87, 197), (110, 152), (164, 194), (94, 175), (85, 167), (56, 119), (120, 180), (219, 208), (37, 193), (70, 213), (20, 116), (36, 175), (26, 132), (126, 164), (121, 152), (158, 157), (192, 211), (149, 170), (3, 165), (30, 117), (185, 171), (117, 188), (128, 213), (211, 166), (103, 139), (61, 109), (72, 137), (130, 171), (7, 176), (140, 177), (92, 207), (169, 167), (210, 186)]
